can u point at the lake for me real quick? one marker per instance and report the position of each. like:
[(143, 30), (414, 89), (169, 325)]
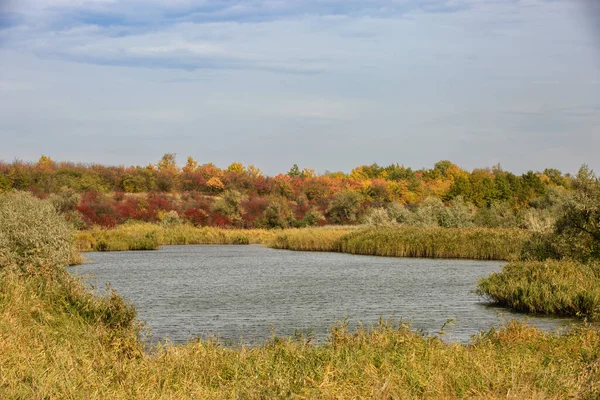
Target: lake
[(247, 293)]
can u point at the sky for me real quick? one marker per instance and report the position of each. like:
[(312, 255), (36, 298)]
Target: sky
[(329, 84)]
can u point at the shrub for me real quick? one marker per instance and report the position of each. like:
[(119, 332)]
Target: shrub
[(378, 217), (345, 207), (578, 225), (32, 233), (169, 218), (459, 214), (313, 217), (399, 213), (431, 212)]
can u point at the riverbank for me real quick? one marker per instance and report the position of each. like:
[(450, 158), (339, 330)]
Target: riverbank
[(470, 243), (58, 341), (148, 236)]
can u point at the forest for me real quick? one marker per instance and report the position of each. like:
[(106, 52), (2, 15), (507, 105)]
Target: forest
[(242, 196)]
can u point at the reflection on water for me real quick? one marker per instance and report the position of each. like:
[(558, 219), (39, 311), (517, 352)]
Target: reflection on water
[(245, 293)]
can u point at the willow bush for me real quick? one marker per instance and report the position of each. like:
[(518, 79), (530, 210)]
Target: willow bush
[(32, 233)]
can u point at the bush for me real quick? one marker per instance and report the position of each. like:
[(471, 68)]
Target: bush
[(32, 233), (169, 218), (459, 214), (399, 213), (378, 217), (578, 225), (345, 207)]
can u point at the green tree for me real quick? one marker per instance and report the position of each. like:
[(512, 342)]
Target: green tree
[(345, 207), (277, 214), (578, 226), (4, 183), (295, 172), (230, 205)]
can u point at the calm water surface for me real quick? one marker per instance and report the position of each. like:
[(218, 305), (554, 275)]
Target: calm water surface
[(245, 293)]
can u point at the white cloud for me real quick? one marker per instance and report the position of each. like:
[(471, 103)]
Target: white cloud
[(434, 81)]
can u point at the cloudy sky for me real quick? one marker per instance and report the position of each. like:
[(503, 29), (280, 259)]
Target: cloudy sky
[(327, 84)]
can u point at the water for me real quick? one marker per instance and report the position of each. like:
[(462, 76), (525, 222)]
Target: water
[(247, 293)]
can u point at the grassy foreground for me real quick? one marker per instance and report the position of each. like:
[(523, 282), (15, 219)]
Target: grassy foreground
[(548, 287), (57, 341)]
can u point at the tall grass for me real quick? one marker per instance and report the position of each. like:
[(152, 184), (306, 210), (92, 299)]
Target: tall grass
[(310, 239), (548, 287), (61, 343), (473, 243), (186, 234), (146, 236)]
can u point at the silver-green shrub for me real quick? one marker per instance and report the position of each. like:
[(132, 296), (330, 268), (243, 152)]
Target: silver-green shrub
[(378, 217), (32, 233)]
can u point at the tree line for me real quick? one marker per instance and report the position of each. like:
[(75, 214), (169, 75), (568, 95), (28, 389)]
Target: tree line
[(242, 196)]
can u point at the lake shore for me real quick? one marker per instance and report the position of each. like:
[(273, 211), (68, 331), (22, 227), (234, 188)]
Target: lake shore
[(468, 243)]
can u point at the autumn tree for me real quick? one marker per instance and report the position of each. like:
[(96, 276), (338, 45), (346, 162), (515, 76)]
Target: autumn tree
[(236, 167), (167, 173), (230, 205)]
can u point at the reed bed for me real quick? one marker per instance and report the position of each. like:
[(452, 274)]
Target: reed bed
[(147, 236), (56, 341), (187, 234), (123, 237), (310, 239), (471, 243), (548, 287)]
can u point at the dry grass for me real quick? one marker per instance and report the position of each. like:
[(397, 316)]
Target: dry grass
[(310, 239), (146, 236), (58, 343), (471, 243)]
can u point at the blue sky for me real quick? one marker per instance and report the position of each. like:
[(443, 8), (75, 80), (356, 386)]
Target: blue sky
[(326, 84)]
